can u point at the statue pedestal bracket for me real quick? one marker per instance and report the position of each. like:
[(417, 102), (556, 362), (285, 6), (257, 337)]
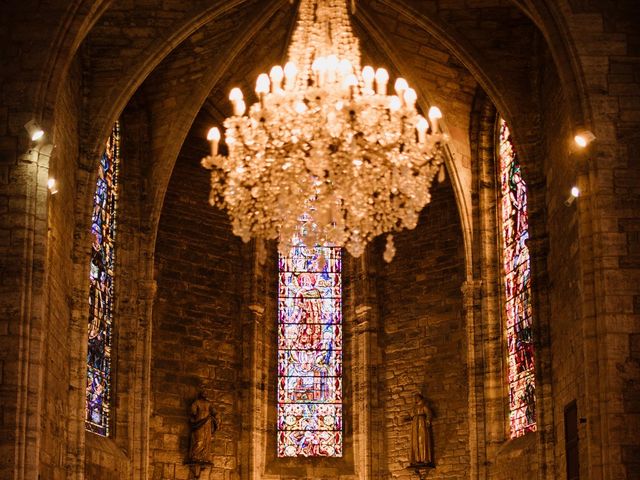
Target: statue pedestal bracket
[(421, 469), (196, 467)]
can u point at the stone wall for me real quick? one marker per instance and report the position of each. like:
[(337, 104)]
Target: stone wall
[(196, 326), (567, 343), (58, 353), (585, 256), (423, 340)]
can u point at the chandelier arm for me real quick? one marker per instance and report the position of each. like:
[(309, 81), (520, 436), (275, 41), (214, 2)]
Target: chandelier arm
[(328, 146)]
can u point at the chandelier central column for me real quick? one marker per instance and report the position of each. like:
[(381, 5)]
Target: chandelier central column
[(326, 144)]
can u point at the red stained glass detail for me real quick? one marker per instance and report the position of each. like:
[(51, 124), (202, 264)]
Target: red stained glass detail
[(309, 419), (517, 287)]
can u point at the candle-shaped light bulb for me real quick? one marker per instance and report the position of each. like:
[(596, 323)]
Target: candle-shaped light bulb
[(262, 87), (400, 86), (290, 73), (276, 75), (368, 75), (382, 78), (351, 80), (422, 126), (240, 107), (434, 115), (345, 68), (350, 83), (236, 96), (263, 84), (332, 62), (319, 68), (214, 137), (410, 97), (395, 103), (213, 134), (332, 68)]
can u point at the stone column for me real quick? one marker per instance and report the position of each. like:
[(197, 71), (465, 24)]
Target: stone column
[(142, 392), (364, 361), (257, 396), (545, 419), (471, 298), (24, 235), (255, 369)]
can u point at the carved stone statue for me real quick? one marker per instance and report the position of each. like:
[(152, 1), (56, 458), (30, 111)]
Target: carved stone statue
[(204, 422), (421, 453)]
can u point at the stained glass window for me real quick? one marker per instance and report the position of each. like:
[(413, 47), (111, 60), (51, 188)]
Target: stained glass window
[(310, 352), (103, 232), (517, 287)]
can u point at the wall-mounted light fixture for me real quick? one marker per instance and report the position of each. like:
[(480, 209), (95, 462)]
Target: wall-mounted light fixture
[(52, 186), (575, 193), (583, 138), (34, 130)]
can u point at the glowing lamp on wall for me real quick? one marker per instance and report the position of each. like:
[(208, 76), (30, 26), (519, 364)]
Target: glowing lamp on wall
[(52, 186), (35, 132), (584, 138), (575, 193)]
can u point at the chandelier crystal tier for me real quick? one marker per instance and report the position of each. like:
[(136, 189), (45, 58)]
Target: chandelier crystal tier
[(325, 143)]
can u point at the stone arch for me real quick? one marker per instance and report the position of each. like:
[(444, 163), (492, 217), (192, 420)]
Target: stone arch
[(75, 25), (487, 344), (453, 167), (481, 69), (115, 100), (551, 18), (190, 104)]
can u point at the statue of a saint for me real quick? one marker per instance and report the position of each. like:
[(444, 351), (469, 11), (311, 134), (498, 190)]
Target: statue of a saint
[(421, 453), (204, 422)]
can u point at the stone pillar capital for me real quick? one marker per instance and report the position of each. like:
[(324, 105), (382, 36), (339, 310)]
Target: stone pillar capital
[(257, 309), (362, 310)]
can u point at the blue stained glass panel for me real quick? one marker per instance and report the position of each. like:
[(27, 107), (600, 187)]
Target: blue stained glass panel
[(309, 417), (100, 321)]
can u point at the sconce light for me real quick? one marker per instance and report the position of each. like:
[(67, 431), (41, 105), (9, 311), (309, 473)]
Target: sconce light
[(583, 138), (575, 193), (51, 185), (34, 130)]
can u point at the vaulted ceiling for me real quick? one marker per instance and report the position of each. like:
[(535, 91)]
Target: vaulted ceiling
[(184, 57)]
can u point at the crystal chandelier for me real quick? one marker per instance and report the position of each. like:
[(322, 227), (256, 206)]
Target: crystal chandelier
[(326, 144)]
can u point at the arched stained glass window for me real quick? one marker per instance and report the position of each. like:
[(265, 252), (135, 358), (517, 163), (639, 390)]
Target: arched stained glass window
[(517, 288), (103, 232), (310, 351)]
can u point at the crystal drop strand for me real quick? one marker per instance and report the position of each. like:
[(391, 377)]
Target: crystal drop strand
[(326, 142)]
